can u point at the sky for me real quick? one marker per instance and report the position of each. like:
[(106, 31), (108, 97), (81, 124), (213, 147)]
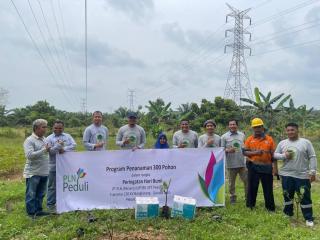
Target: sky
[(169, 49)]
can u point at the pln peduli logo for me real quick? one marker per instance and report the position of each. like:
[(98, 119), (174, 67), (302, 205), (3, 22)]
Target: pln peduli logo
[(75, 182), (212, 184)]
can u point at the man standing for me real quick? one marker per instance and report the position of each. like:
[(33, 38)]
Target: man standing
[(259, 149), (36, 169), (298, 171), (131, 136), (59, 142), (232, 142), (96, 135), (209, 139), (185, 138)]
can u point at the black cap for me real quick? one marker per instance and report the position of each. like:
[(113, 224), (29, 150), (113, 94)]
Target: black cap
[(132, 115)]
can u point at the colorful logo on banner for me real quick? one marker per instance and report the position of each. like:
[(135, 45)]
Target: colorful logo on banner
[(75, 182), (212, 184), (81, 173)]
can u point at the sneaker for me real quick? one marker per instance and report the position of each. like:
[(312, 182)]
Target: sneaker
[(309, 223)]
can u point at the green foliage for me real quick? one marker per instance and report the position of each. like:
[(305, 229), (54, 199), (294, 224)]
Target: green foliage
[(263, 106)]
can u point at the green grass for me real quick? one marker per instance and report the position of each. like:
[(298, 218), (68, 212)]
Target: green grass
[(238, 222)]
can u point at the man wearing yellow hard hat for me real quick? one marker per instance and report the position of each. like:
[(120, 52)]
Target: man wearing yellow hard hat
[(259, 149)]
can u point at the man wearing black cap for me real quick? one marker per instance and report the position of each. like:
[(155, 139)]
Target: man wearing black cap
[(209, 139), (131, 136)]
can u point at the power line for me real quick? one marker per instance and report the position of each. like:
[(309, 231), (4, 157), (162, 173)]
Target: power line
[(198, 55), (64, 33), (300, 30), (187, 66), (86, 51), (58, 31), (45, 42), (36, 47), (283, 12), (286, 47), (288, 29), (52, 39)]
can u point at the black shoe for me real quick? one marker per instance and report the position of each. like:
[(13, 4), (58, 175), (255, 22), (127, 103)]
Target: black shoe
[(32, 216), (41, 214)]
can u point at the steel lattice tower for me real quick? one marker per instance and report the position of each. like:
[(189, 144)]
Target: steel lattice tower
[(131, 96), (238, 83)]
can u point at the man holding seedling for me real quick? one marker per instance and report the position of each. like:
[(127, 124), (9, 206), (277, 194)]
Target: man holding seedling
[(96, 135), (259, 149), (131, 136), (36, 169), (298, 171), (232, 141), (59, 142), (209, 139), (185, 138)]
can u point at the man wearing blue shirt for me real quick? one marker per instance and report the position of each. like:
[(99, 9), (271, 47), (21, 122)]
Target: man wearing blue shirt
[(59, 142)]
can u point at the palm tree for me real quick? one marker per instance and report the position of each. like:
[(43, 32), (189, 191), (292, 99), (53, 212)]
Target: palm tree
[(185, 110), (121, 112)]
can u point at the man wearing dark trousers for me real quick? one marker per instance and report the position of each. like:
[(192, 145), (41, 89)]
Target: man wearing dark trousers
[(297, 172), (259, 149)]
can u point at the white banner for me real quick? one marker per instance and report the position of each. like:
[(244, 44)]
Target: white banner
[(112, 179)]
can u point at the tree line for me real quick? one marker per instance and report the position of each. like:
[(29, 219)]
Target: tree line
[(160, 116)]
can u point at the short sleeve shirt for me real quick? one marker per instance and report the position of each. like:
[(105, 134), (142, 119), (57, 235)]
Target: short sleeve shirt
[(266, 144)]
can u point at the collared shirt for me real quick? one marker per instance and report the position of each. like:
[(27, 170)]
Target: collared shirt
[(57, 142), (265, 144), (37, 159), (235, 140)]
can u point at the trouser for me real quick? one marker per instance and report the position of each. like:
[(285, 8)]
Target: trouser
[(254, 177), (301, 187), (242, 171), (51, 195), (35, 191)]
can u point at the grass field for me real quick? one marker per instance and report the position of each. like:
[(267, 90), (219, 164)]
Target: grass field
[(237, 222)]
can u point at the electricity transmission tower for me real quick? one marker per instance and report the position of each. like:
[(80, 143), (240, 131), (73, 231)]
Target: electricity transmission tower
[(83, 106), (238, 83), (131, 96)]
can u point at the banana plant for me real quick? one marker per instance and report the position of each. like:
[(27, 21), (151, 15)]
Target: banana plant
[(264, 105)]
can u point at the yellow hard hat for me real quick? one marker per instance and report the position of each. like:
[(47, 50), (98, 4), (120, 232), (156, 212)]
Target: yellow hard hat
[(256, 122)]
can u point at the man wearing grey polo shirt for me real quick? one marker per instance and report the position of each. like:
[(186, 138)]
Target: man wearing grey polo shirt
[(185, 138), (96, 135), (131, 136), (233, 141), (36, 169)]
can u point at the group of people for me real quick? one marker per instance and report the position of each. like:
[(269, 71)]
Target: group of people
[(254, 159)]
